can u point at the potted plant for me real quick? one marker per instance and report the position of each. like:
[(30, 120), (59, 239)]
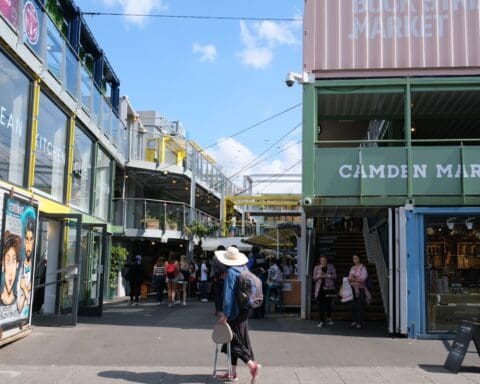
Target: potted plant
[(171, 223), (118, 258), (152, 222)]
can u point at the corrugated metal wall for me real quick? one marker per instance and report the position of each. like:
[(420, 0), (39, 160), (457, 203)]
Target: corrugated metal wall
[(352, 37)]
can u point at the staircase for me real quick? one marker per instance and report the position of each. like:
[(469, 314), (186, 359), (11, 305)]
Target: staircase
[(339, 248)]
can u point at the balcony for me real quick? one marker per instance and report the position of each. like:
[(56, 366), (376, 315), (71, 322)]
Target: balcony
[(59, 59), (157, 218)]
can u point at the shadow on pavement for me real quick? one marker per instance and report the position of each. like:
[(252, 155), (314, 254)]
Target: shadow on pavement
[(198, 315), (157, 377), (441, 369)]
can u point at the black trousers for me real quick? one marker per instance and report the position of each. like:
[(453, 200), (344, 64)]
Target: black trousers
[(324, 305), (358, 306), (135, 291), (241, 348)]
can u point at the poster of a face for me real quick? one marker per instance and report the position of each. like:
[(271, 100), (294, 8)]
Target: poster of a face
[(18, 250)]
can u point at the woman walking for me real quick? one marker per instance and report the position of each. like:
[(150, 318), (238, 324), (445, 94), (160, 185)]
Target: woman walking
[(361, 295), (171, 269), (236, 317), (159, 278), (324, 275)]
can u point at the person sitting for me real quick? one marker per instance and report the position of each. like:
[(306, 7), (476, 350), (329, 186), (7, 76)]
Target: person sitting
[(274, 283)]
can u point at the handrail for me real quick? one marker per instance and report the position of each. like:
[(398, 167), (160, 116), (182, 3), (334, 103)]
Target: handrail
[(375, 255), (461, 140)]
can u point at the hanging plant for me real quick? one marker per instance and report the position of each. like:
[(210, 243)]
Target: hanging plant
[(196, 228)]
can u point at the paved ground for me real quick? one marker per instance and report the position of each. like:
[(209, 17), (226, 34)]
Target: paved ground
[(156, 344)]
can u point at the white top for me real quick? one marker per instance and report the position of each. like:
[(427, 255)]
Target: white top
[(203, 272)]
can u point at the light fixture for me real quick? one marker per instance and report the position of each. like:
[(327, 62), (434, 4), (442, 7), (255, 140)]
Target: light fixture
[(181, 245), (174, 181), (469, 223), (413, 129), (451, 223), (153, 242)]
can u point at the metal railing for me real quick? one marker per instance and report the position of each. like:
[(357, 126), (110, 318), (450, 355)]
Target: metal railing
[(59, 59), (158, 214), (375, 255)]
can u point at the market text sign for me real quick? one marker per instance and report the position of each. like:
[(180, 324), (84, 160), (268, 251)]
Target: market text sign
[(436, 171), (400, 36)]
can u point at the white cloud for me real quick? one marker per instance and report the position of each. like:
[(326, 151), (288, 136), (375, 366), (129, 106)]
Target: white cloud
[(262, 38), (233, 156), (207, 53), (143, 7)]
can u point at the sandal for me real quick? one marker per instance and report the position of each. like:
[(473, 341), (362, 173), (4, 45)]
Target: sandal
[(255, 372)]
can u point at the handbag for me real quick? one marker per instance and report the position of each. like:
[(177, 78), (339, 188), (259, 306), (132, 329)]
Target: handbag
[(346, 292)]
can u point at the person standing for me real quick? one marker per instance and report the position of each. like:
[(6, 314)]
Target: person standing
[(275, 283), (361, 295), (135, 277), (324, 276), (218, 283), (236, 316), (203, 281), (184, 277), (159, 278), (172, 271), (260, 268)]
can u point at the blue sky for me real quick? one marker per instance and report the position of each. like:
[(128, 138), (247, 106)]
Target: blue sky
[(217, 77)]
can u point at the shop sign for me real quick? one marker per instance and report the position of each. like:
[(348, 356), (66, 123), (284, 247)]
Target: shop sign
[(31, 23), (344, 37), (19, 223), (384, 171), (8, 9)]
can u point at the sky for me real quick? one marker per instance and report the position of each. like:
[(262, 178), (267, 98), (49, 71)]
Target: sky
[(217, 77)]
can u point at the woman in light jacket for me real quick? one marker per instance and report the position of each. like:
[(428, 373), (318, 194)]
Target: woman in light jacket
[(361, 295), (324, 276)]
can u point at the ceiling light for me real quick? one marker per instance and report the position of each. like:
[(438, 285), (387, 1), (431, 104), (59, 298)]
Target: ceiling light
[(469, 223), (451, 223), (174, 181)]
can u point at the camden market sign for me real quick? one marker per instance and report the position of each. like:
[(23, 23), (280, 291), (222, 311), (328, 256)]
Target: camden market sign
[(436, 171)]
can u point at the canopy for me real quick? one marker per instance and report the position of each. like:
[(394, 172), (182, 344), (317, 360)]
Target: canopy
[(284, 236), (211, 244)]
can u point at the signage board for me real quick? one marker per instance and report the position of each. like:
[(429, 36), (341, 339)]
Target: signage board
[(356, 38)]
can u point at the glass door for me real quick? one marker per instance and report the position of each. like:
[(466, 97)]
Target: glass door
[(57, 263), (92, 276)]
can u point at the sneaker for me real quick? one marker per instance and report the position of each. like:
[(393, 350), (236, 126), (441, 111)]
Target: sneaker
[(359, 326), (136, 304), (170, 305), (353, 325), (225, 377), (320, 325), (184, 303), (330, 322), (204, 300), (255, 372), (130, 303)]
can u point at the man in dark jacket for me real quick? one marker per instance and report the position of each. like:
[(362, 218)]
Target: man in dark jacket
[(260, 268), (135, 277)]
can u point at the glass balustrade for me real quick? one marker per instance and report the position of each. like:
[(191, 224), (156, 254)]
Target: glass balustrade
[(158, 214), (71, 73), (54, 50)]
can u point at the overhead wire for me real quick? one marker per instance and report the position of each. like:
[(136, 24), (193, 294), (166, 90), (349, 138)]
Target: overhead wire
[(193, 17)]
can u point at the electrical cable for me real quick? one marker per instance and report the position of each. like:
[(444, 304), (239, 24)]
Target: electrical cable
[(254, 125), (193, 17)]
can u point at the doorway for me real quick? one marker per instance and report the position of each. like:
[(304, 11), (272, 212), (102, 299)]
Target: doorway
[(55, 300), (93, 256)]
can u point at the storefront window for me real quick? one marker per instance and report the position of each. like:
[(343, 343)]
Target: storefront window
[(452, 271), (82, 170), (14, 106), (102, 185), (50, 160)]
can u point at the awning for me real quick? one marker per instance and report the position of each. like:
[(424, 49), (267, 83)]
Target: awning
[(284, 236), (211, 244)]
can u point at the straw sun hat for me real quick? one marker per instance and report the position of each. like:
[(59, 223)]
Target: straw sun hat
[(232, 257)]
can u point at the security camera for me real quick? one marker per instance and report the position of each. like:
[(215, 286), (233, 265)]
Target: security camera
[(301, 78), (290, 80), (307, 201)]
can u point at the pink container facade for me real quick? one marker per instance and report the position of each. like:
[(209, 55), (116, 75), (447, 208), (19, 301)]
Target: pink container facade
[(376, 38)]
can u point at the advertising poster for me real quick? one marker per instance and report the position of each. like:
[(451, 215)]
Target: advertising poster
[(18, 250), (8, 8)]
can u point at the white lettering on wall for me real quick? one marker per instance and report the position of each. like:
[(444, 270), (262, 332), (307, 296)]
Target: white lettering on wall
[(444, 171), (11, 122), (390, 19), (57, 154)]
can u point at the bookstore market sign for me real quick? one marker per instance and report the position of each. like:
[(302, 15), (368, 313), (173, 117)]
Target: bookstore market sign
[(435, 171)]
